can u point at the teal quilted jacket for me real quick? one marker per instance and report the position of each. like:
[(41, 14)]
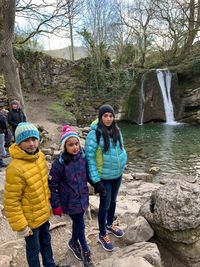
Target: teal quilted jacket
[(104, 165)]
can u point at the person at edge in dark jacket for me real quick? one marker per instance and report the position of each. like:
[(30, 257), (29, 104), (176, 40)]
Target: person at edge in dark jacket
[(3, 130), (69, 190), (15, 115), (106, 157), (26, 195)]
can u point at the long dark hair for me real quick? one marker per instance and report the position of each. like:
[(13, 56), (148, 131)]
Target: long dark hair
[(67, 157), (107, 133)]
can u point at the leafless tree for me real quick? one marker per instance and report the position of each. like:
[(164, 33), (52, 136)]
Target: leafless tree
[(100, 16), (192, 12), (99, 21), (43, 18), (178, 25), (138, 17), (57, 17), (9, 64)]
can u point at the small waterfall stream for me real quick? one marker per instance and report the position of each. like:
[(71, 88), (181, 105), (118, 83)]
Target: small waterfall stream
[(164, 78), (142, 101)]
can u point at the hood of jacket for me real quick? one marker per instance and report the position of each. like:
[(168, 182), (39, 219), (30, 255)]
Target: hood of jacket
[(93, 125), (17, 153)]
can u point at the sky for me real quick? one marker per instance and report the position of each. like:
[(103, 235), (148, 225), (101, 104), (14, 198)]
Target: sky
[(53, 42), (49, 42)]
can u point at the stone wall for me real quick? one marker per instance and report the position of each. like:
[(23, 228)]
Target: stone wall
[(40, 73)]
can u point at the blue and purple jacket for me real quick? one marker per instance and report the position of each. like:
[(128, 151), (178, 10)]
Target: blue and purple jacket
[(68, 184)]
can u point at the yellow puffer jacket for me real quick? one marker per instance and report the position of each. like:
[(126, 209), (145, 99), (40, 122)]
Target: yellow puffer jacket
[(26, 195)]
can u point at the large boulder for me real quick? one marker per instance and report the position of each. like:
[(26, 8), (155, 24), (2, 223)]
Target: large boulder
[(139, 230), (176, 219)]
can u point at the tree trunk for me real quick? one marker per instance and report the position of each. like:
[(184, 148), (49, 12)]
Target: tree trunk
[(194, 25), (9, 64), (71, 37)]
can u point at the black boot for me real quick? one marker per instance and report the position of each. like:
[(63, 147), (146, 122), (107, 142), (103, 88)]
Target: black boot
[(87, 261)]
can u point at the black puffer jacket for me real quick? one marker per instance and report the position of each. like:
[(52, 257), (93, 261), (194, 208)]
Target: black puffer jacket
[(15, 116)]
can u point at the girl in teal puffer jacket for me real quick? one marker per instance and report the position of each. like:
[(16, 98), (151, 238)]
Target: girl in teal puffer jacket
[(106, 158)]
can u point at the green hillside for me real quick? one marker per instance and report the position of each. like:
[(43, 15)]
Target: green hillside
[(79, 52)]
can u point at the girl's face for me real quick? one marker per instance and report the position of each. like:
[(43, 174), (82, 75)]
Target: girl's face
[(15, 106), (107, 119), (29, 145), (72, 145)]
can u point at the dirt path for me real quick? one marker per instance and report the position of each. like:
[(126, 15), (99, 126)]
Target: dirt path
[(37, 112)]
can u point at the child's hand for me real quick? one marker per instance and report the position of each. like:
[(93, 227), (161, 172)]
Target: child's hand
[(25, 232), (58, 211), (99, 188)]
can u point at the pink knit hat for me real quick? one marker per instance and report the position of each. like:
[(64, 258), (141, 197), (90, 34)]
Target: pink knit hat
[(67, 132)]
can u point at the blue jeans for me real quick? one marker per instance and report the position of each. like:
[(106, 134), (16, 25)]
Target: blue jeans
[(107, 204), (39, 242), (2, 145), (78, 230)]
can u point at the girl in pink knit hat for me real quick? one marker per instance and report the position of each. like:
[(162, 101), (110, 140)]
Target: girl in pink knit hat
[(69, 190)]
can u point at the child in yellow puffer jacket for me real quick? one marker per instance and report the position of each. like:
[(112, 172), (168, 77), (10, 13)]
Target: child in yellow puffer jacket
[(26, 195)]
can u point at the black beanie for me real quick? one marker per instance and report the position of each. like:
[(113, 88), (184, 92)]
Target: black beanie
[(105, 108)]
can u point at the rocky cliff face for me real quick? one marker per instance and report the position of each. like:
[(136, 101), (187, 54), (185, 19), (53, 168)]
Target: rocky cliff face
[(192, 106), (189, 82)]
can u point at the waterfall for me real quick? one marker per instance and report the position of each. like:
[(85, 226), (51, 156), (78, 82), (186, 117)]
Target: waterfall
[(164, 78), (142, 101)]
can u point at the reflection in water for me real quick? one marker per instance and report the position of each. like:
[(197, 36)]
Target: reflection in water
[(166, 145), (173, 148)]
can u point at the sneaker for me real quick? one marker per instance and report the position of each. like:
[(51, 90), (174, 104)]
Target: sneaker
[(76, 249), (87, 261), (105, 242), (115, 231)]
